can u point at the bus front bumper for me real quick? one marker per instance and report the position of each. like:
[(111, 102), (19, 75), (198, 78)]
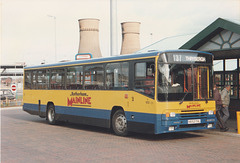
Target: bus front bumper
[(185, 122)]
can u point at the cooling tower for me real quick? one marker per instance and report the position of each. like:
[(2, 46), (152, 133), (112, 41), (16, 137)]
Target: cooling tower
[(130, 37), (89, 37)]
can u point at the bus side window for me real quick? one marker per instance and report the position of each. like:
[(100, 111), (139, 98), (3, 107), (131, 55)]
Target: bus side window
[(144, 78), (94, 77), (28, 79), (42, 79), (34, 80), (74, 77), (117, 76), (57, 80)]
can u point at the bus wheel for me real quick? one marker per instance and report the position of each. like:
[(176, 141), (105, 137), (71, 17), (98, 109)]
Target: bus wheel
[(119, 123), (51, 115)]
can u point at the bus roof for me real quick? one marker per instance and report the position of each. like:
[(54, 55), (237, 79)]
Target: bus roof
[(112, 58)]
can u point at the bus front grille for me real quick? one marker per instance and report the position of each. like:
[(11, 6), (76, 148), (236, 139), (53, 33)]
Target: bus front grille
[(185, 111), (192, 125), (193, 115)]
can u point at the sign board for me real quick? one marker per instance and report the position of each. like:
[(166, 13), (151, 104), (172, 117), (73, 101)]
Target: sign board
[(181, 57), (14, 88), (83, 56)]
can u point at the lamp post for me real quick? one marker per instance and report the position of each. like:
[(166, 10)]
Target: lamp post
[(113, 27), (55, 35)]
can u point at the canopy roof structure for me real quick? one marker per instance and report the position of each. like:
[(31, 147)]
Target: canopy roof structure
[(222, 38)]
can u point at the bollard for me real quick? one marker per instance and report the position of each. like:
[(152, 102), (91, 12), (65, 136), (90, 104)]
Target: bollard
[(238, 121)]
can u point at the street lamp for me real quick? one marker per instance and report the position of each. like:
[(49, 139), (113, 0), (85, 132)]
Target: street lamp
[(113, 27), (55, 35)]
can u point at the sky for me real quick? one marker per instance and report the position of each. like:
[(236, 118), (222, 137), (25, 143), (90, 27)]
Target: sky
[(28, 33)]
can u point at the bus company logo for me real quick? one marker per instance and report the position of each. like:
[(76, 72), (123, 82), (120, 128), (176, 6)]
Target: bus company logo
[(79, 99), (193, 106)]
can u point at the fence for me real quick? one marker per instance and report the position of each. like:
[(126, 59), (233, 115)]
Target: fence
[(9, 103)]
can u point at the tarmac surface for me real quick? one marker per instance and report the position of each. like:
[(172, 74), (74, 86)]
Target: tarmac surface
[(28, 138)]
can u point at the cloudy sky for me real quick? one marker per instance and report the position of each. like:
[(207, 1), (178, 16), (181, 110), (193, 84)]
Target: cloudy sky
[(27, 32)]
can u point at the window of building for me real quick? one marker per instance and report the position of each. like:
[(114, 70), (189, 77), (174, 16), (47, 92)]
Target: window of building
[(239, 92), (144, 78), (239, 85), (117, 76), (219, 79), (74, 77), (57, 80), (218, 65), (94, 76), (230, 76), (233, 92), (239, 65), (231, 79), (231, 64)]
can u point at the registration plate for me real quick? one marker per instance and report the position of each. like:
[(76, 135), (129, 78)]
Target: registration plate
[(194, 121)]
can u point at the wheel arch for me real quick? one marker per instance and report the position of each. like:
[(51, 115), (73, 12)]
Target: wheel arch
[(114, 109)]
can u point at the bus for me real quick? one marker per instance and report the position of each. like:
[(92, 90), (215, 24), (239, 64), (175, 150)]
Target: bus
[(156, 92)]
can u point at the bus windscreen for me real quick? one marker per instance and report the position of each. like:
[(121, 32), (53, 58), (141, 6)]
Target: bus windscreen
[(177, 82)]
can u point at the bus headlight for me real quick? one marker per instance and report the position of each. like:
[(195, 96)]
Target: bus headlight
[(210, 112), (172, 114)]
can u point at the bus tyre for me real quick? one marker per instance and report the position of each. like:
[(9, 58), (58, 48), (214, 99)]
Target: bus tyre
[(51, 115), (119, 123)]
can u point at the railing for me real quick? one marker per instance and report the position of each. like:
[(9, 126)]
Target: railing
[(15, 102)]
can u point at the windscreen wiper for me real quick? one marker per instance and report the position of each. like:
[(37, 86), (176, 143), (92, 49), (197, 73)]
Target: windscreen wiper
[(183, 98)]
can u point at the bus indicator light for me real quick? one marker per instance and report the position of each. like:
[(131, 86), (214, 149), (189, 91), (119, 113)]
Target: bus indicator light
[(167, 114), (126, 96)]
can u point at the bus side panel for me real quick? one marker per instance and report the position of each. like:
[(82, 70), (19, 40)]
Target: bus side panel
[(95, 117), (31, 108), (89, 116), (141, 122), (73, 106), (78, 106)]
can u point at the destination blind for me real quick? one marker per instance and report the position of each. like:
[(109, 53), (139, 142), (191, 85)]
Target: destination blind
[(184, 58)]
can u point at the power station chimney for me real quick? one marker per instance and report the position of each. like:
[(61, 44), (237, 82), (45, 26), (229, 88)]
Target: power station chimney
[(89, 37), (130, 37)]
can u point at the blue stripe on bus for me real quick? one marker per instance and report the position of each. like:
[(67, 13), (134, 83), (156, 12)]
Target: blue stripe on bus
[(93, 113), (85, 112), (32, 107), (141, 117)]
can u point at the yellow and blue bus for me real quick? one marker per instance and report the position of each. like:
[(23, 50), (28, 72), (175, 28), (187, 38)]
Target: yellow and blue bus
[(156, 92)]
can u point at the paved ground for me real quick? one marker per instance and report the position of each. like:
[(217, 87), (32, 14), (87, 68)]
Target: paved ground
[(28, 138)]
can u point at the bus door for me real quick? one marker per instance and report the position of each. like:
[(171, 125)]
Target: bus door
[(144, 85), (202, 80)]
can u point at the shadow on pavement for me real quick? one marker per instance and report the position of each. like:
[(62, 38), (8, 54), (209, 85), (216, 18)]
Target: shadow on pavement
[(168, 136)]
